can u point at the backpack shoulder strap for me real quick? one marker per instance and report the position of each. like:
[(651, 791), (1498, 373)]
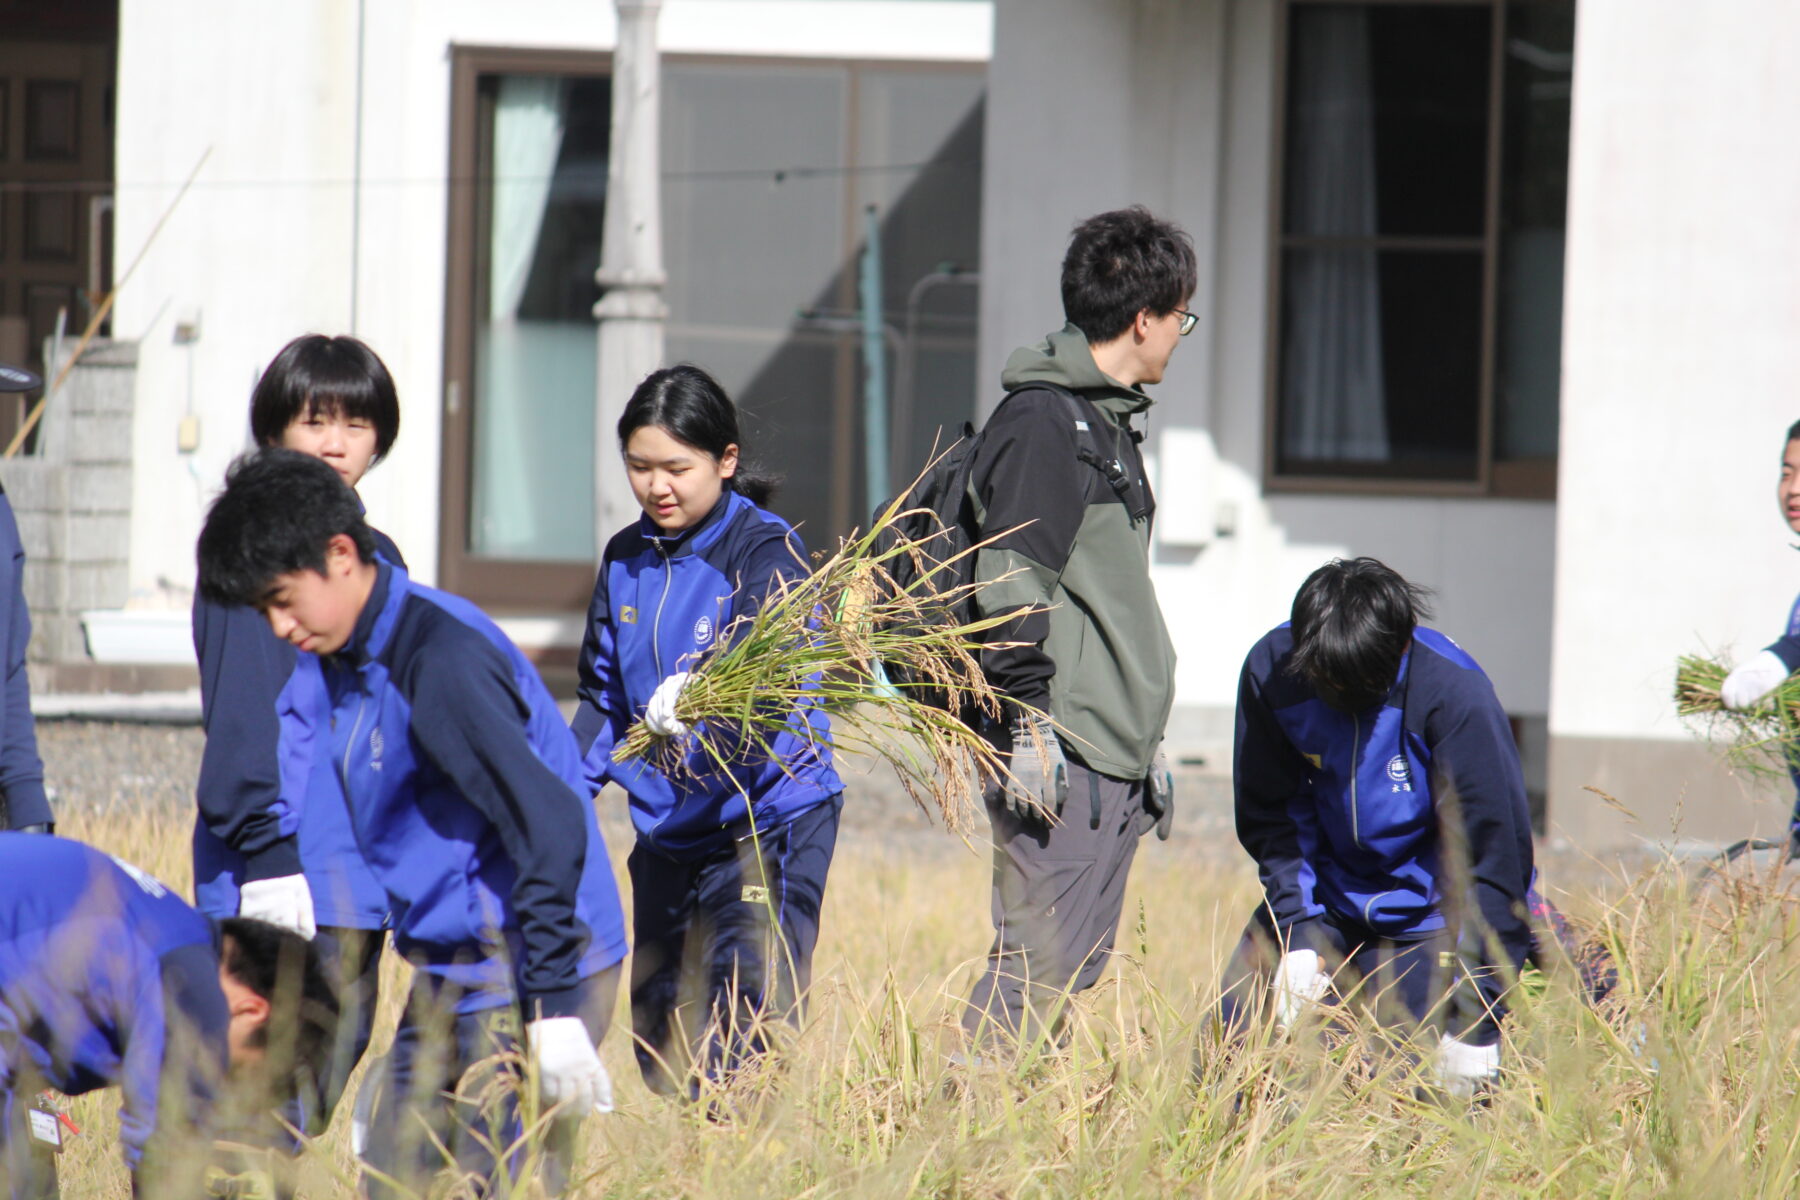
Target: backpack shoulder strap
[(1087, 419)]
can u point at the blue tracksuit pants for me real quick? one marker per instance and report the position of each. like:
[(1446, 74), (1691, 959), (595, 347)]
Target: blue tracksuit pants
[(1400, 981), (722, 943), (434, 1049)]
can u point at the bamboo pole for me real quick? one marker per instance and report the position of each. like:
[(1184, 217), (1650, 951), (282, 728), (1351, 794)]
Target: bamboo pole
[(94, 322)]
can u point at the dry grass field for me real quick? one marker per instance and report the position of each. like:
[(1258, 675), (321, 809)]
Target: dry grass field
[(1688, 1086)]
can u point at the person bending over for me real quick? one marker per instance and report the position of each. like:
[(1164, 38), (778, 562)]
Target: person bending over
[(1378, 788), (108, 978), (467, 797)]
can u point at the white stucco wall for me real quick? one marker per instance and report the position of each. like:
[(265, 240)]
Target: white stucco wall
[(1682, 367), (1169, 103), (260, 249)]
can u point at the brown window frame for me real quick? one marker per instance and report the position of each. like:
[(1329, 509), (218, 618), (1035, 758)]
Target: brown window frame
[(1525, 479), (510, 584), (513, 585)]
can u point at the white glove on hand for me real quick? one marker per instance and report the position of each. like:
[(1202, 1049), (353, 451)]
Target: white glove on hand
[(285, 900), (1300, 980), (1462, 1069), (659, 714), (568, 1066), (1752, 681)]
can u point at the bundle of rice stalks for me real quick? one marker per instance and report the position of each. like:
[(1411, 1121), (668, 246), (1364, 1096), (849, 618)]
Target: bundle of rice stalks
[(1761, 740), (821, 640)]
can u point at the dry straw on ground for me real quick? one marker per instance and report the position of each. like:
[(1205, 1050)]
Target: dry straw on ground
[(1689, 1087)]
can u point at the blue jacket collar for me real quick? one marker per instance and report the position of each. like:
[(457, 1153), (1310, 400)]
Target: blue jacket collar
[(375, 624), (699, 536)]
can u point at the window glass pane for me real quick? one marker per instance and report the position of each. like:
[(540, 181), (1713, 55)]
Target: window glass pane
[(1387, 114), (919, 147), (753, 227), (538, 243), (1534, 202), (1380, 369)]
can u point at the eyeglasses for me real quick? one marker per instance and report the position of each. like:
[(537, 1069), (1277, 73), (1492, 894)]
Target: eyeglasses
[(1188, 321)]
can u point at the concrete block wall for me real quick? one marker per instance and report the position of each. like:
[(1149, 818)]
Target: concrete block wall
[(72, 499)]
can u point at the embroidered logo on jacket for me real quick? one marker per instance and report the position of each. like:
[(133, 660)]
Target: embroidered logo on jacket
[(703, 630), (627, 615), (376, 742), (1400, 772), (144, 880)]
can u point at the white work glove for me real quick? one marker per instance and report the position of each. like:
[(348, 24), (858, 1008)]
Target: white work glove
[(659, 714), (1300, 980), (1462, 1069), (568, 1066), (1752, 680), (285, 900)]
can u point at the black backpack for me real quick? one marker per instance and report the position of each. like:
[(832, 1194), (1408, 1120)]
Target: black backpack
[(938, 518)]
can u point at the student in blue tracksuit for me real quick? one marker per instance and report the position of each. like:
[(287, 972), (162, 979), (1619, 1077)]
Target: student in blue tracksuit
[(1754, 679), (467, 798), (1378, 789), (272, 838), (27, 808), (107, 978), (728, 874)]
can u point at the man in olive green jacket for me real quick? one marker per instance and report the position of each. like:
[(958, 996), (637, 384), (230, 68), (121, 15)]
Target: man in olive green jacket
[(1059, 470)]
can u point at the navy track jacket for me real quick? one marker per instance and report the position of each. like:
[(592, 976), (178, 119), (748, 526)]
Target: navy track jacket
[(83, 996), (1342, 811), (661, 604), (21, 770), (267, 810), (466, 795), (1787, 648)]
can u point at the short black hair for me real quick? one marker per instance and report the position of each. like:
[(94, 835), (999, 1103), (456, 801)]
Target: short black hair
[(285, 969), (1794, 432), (327, 376), (1120, 263), (1352, 622), (278, 513)]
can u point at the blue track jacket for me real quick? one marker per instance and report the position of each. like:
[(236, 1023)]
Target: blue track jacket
[(266, 808), (82, 989), (21, 770), (1787, 649), (661, 604), (467, 798), (1341, 810)]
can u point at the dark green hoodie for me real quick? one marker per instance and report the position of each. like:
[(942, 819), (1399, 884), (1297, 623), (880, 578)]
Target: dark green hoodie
[(1099, 660)]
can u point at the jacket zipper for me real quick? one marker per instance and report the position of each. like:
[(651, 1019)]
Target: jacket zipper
[(1355, 747), (349, 745), (656, 621)]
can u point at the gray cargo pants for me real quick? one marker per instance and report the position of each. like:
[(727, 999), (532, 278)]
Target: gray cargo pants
[(1058, 893)]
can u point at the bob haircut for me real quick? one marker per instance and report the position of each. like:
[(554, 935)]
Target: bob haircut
[(689, 405), (326, 376), (1352, 622)]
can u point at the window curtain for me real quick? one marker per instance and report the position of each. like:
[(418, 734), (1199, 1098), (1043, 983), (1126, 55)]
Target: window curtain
[(1331, 370), (515, 515)]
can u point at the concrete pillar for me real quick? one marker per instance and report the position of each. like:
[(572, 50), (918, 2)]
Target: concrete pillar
[(631, 312), (1681, 373)]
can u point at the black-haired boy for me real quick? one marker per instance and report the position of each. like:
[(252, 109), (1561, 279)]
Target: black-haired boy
[(466, 793), (1378, 789), (1061, 486), (107, 978)]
